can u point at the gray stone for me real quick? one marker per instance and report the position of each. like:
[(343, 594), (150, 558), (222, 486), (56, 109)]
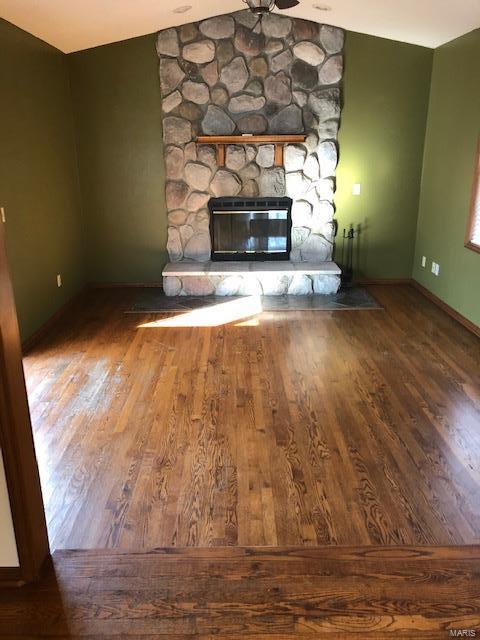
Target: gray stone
[(206, 155), (323, 212), (199, 52), (259, 67), (328, 129), (190, 152), (248, 42), (255, 87), (309, 119), (170, 74), (250, 286), (328, 157), (225, 52), (288, 120), (235, 157), (295, 255), (297, 184), (176, 130), (191, 112), (210, 73), (177, 218), (311, 168), (299, 235), (328, 231), (174, 245), (277, 88), (275, 26), (198, 247), (196, 92), (265, 155), (217, 122), (197, 201), (303, 75), (235, 75), (250, 189), (255, 124), (167, 43), (300, 285), (273, 284), (300, 98), (302, 213), (274, 46), (251, 152), (175, 193), (331, 38), (229, 286), (331, 71), (246, 18), (219, 96), (188, 32), (294, 157), (198, 285), (198, 176), (311, 142), (325, 103), (316, 249), (325, 189), (305, 30), (309, 53), (250, 172), (174, 163), (281, 61), (171, 102), (325, 284), (202, 220), (172, 285), (225, 184), (186, 232), (245, 103), (218, 28), (272, 182)]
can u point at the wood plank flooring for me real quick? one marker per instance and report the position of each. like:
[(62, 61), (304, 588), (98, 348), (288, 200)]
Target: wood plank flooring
[(287, 428), (262, 593)]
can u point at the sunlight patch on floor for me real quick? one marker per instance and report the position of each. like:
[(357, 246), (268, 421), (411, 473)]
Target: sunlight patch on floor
[(239, 311)]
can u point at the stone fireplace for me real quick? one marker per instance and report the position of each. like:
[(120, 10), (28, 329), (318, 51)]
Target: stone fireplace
[(232, 75)]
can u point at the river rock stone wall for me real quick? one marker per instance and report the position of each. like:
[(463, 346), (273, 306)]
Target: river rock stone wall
[(233, 74)]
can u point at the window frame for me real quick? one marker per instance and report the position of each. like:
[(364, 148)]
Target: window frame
[(474, 204)]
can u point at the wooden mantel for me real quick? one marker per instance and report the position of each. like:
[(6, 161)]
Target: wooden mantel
[(278, 140)]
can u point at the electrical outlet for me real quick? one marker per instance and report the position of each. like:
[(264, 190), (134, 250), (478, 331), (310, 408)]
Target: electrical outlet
[(356, 189), (434, 267), (2, 214), (424, 261), (437, 269), (59, 280)]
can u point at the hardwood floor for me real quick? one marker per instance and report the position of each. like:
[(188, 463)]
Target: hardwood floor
[(262, 593), (290, 428)]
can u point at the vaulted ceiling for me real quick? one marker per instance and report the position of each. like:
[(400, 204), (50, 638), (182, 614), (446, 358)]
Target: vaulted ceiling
[(72, 25)]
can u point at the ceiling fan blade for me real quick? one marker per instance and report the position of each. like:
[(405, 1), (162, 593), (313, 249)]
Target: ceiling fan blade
[(286, 4)]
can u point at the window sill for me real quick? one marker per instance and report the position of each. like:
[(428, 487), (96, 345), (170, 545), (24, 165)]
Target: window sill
[(472, 246)]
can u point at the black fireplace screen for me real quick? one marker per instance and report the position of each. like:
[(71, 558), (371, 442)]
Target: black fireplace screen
[(250, 228)]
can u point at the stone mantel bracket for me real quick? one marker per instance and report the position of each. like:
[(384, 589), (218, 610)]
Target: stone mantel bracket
[(278, 140)]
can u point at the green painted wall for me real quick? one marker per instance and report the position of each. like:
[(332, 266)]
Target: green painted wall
[(38, 176), (118, 114), (452, 132), (386, 89)]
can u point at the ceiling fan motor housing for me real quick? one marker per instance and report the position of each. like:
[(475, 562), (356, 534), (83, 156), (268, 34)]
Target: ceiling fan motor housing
[(260, 7)]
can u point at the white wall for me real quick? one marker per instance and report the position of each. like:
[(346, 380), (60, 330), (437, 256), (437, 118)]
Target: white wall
[(8, 547)]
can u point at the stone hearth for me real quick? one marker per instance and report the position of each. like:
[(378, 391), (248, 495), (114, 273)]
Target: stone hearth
[(227, 76), (250, 278)]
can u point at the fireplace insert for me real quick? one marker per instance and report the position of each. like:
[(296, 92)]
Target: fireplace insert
[(250, 228)]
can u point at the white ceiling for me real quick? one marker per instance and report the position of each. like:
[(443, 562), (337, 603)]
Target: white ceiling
[(72, 25)]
